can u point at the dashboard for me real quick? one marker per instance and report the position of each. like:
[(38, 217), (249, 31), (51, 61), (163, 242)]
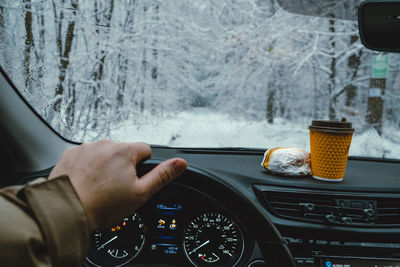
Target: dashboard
[(226, 211), (180, 226), (364, 231), (232, 214)]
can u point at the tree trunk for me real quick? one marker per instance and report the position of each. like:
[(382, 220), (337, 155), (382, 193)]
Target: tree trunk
[(64, 51), (154, 70), (4, 37), (332, 76), (353, 63), (270, 106), (29, 44), (122, 60), (70, 110), (98, 72), (40, 43), (144, 60)]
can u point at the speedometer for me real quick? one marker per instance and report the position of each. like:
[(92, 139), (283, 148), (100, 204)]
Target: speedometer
[(212, 239)]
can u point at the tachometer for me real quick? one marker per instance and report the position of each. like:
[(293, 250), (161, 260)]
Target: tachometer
[(212, 239), (118, 245)]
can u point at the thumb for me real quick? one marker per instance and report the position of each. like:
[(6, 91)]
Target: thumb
[(162, 175)]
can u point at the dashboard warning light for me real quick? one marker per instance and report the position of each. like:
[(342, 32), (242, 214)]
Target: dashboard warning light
[(174, 221), (118, 227), (172, 226), (161, 222), (124, 224), (112, 229)]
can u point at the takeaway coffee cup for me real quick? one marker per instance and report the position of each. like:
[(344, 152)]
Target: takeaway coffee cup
[(330, 143)]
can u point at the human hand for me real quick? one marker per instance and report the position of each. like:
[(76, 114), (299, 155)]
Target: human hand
[(104, 176)]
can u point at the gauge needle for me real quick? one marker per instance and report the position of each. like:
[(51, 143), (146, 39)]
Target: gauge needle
[(112, 239), (216, 257), (205, 243)]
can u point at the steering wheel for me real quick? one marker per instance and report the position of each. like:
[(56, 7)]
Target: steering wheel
[(242, 202)]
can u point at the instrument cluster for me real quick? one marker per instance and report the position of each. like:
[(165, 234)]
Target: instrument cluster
[(179, 226)]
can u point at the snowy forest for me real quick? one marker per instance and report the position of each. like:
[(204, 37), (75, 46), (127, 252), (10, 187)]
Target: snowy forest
[(200, 73)]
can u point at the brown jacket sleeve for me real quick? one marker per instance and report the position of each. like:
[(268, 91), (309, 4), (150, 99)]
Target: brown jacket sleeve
[(43, 225)]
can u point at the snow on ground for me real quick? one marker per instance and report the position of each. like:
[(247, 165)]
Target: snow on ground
[(210, 129)]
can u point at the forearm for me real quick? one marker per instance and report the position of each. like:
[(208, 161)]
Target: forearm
[(43, 225)]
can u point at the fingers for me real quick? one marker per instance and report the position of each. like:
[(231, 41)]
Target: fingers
[(161, 175), (139, 151)]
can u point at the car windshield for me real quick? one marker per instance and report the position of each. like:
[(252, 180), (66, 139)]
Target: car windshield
[(201, 73)]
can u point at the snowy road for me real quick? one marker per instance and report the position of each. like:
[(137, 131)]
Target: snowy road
[(210, 129)]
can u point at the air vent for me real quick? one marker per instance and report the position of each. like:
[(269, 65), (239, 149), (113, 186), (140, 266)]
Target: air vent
[(338, 208), (388, 211)]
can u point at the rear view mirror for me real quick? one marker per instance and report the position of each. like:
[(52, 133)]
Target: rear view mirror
[(379, 25)]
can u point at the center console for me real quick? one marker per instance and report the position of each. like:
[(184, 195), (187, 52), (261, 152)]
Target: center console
[(336, 228), (333, 253)]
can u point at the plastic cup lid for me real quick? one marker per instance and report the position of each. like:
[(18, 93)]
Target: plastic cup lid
[(332, 126)]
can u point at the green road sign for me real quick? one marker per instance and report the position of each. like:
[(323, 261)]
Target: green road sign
[(380, 65)]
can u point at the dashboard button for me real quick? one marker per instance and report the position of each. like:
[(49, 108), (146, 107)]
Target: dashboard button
[(330, 218), (347, 220), (369, 212), (334, 243), (322, 242), (304, 262)]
